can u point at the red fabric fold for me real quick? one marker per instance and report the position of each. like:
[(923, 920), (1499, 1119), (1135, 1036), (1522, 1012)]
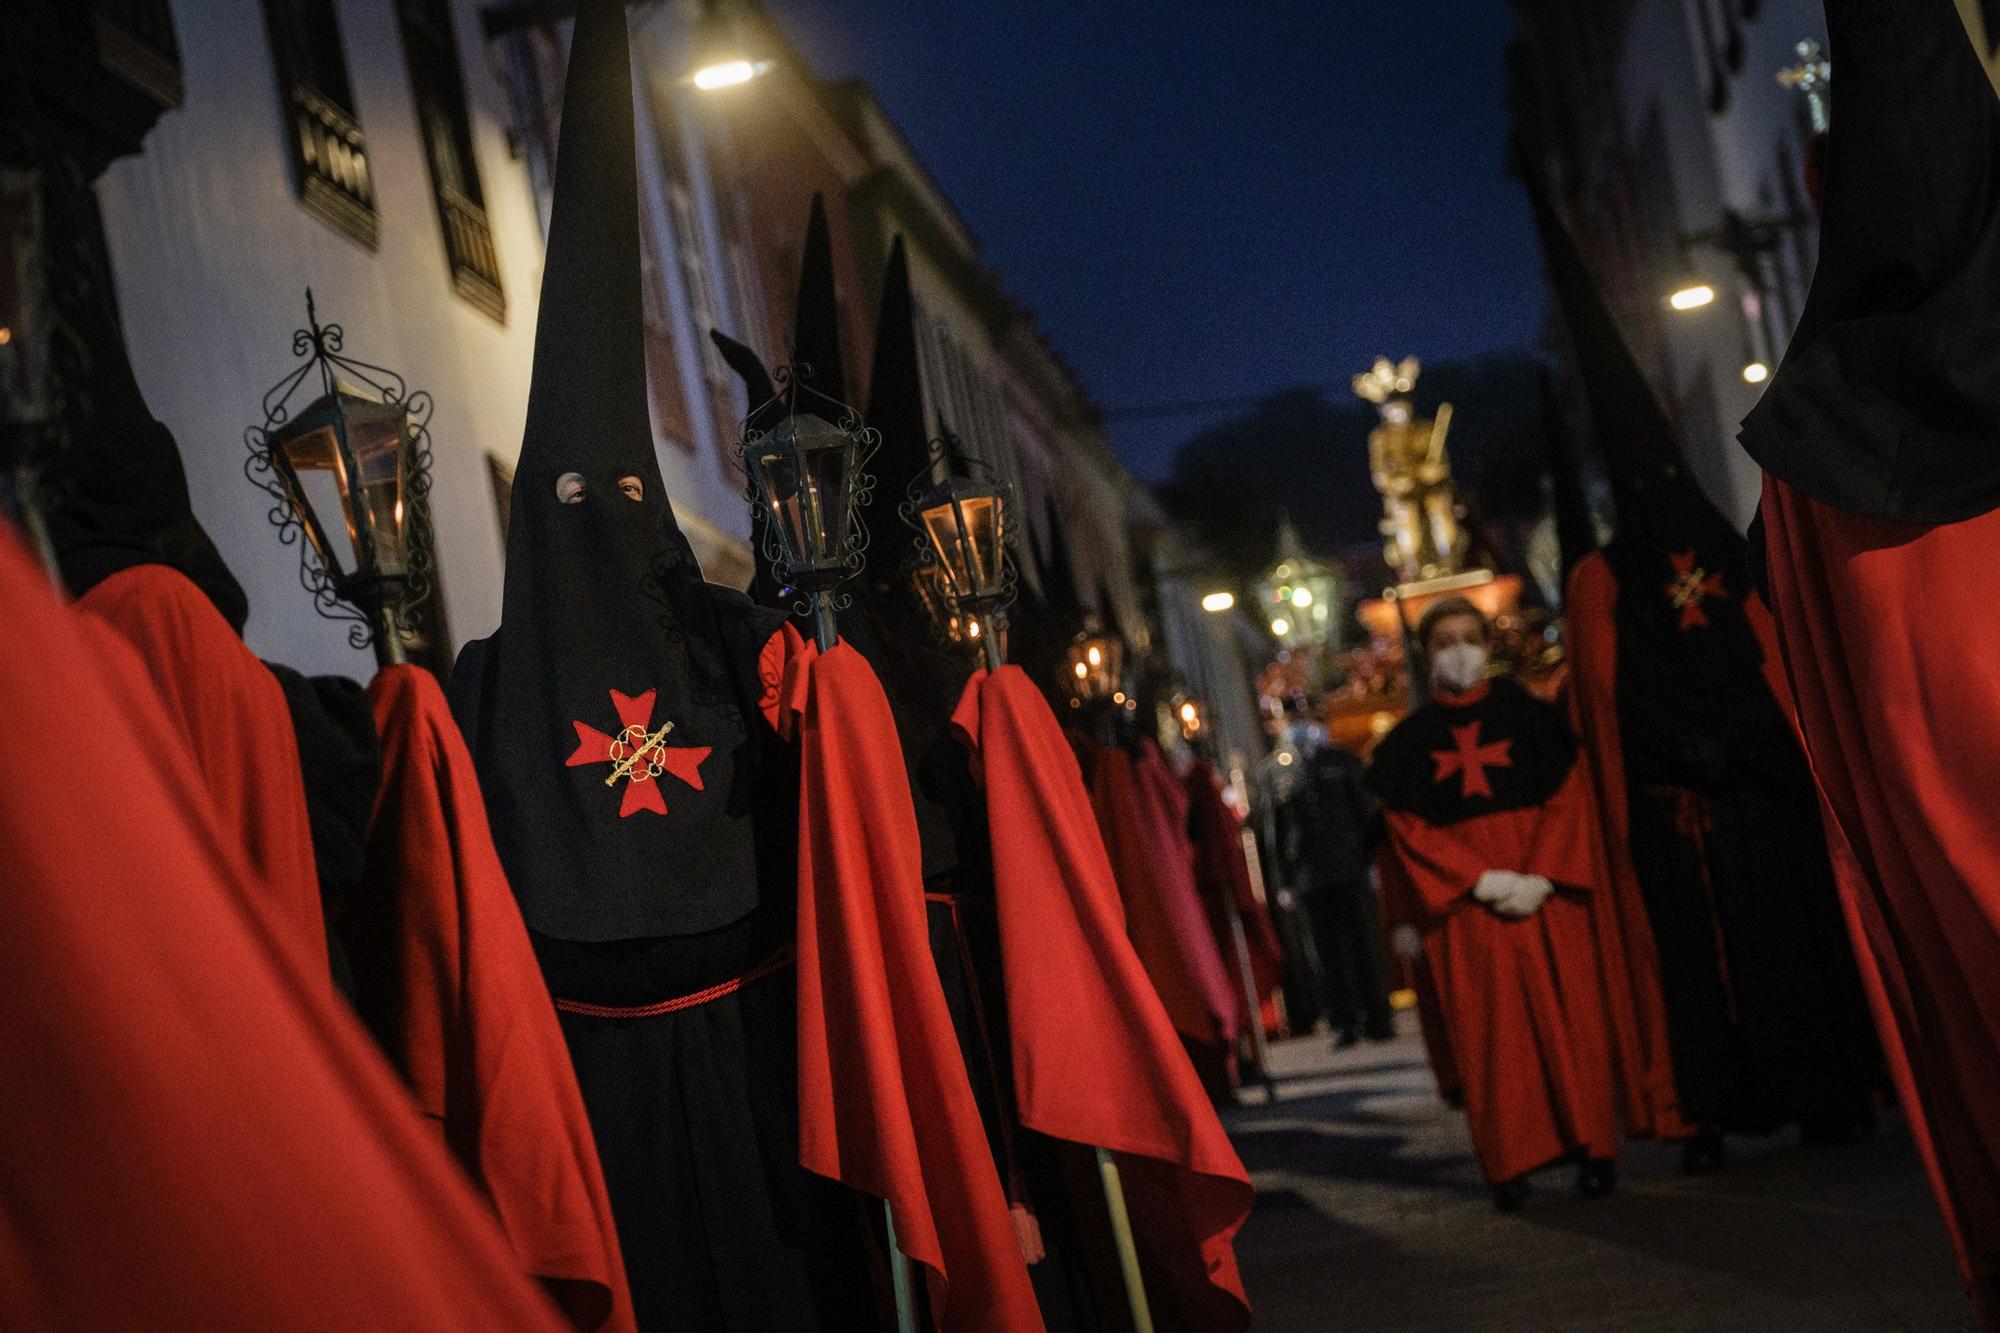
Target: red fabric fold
[(1222, 874), (1096, 1057), (446, 978), (1899, 706), (1154, 868), (884, 1103), (230, 716), (1634, 1002), (198, 1134)]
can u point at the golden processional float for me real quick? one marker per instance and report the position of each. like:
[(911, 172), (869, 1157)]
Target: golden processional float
[(1424, 544)]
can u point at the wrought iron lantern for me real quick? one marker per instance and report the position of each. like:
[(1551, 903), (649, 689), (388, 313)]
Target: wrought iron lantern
[(807, 474), (1095, 665), (962, 535), (1301, 599), (350, 470), (1192, 716)]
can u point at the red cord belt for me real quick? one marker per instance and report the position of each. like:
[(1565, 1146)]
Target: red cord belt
[(782, 958)]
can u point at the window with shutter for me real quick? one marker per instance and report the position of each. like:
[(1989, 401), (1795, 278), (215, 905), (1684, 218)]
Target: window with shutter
[(438, 88), (328, 152)]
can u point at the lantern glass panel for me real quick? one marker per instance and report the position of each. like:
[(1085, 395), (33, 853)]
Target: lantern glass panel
[(827, 470), (375, 500), (976, 562), (776, 469), (312, 475)]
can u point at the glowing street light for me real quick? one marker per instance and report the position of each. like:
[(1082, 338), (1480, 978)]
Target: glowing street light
[(1216, 603), (1692, 296), (1756, 372), (725, 74)]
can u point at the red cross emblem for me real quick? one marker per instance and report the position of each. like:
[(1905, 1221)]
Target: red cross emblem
[(1691, 586), (1471, 760), (638, 755)]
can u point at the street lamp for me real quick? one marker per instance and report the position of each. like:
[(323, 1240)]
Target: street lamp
[(1691, 293), (721, 58), (351, 470), (962, 538), (1299, 596), (806, 473), (1755, 372), (1216, 603)]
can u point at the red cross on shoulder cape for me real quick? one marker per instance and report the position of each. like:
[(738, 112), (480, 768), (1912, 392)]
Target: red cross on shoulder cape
[(1486, 781)]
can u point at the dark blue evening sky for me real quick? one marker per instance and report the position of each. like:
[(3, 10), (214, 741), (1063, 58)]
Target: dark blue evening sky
[(1206, 200)]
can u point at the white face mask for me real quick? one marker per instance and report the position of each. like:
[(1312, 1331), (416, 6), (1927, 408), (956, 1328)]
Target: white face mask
[(1458, 668)]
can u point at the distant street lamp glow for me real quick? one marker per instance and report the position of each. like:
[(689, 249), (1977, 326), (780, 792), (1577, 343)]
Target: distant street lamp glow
[(724, 74), (1302, 597), (1756, 373), (1218, 602), (1692, 297), (1281, 627)]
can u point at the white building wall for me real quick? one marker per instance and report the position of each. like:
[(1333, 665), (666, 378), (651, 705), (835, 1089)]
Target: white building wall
[(213, 253), (1731, 160)]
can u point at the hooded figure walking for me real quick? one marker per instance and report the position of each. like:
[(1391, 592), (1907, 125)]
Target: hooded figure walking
[(644, 811)]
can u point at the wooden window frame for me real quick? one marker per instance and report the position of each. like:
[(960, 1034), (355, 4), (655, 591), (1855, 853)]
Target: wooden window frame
[(324, 143)]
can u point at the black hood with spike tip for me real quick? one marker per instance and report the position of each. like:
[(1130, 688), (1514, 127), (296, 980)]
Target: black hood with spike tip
[(1887, 403), (1576, 531), (609, 826), (119, 494), (1043, 625), (816, 364), (1692, 700)]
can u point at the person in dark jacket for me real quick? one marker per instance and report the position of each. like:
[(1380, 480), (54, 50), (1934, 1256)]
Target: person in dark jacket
[(1323, 838)]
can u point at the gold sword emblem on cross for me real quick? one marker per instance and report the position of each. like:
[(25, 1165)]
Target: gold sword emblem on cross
[(623, 767)]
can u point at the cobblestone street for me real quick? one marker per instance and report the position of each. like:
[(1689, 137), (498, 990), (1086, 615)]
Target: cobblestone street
[(1371, 1215)]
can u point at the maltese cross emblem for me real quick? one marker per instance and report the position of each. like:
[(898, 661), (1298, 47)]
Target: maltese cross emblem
[(638, 754)]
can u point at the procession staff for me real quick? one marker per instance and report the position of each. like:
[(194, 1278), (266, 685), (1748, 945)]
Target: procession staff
[(1877, 435), (1675, 680), (1492, 830)]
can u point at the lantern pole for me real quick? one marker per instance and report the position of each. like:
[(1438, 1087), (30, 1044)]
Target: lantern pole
[(989, 643)]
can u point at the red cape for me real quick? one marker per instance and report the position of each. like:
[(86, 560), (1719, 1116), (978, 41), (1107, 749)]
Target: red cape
[(198, 1134), (446, 978), (884, 1103), (1522, 999), (229, 713), (1154, 866), (1900, 711), (1222, 874), (1634, 1003), (1095, 1056)]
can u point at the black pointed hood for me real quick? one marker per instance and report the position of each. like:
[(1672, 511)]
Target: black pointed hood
[(1887, 403), (1656, 501), (609, 827), (1691, 694), (896, 408), (118, 494), (815, 362), (1576, 531)]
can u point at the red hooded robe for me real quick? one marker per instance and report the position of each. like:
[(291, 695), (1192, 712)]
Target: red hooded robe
[(199, 1135), (230, 714)]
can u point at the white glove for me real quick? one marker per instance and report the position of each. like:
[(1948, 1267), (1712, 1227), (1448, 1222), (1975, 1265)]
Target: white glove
[(1511, 894), (1408, 942)]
